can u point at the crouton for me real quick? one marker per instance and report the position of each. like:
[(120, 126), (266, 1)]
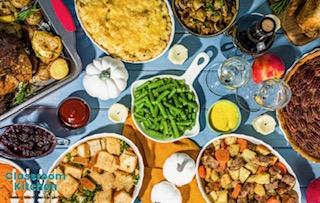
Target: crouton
[(80, 160), (106, 161), (94, 146), (106, 180), (68, 186), (73, 171), (123, 181), (88, 184), (103, 197), (113, 145), (103, 144), (83, 150), (128, 161), (122, 197)]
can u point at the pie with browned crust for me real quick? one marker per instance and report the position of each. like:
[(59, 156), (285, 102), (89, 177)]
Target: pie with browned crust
[(133, 30), (300, 119)]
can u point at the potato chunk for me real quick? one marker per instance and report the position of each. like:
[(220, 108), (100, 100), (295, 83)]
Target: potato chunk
[(259, 190), (244, 174), (262, 150), (234, 149), (248, 155)]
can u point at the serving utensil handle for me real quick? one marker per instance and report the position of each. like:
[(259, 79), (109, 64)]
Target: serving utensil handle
[(63, 15), (197, 65)]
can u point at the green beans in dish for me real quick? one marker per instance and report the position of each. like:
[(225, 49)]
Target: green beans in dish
[(165, 108)]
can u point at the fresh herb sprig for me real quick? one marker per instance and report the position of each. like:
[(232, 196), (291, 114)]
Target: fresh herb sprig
[(23, 15), (279, 6), (24, 90)]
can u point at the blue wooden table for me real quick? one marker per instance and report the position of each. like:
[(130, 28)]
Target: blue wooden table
[(44, 111)]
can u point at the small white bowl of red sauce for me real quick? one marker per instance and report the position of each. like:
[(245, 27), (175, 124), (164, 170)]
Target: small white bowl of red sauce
[(74, 112)]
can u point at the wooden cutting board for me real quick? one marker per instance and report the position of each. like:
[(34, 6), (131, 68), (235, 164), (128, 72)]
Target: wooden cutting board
[(290, 27)]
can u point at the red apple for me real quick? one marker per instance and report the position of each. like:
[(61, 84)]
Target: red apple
[(313, 191), (267, 66)]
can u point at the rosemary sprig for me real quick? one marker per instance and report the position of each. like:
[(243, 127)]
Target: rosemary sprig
[(23, 91), (279, 6), (23, 15)]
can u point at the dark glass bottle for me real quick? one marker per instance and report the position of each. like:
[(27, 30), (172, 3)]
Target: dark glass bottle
[(254, 34)]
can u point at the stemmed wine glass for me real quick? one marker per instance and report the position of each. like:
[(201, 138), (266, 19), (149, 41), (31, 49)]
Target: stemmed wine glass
[(271, 95), (226, 77)]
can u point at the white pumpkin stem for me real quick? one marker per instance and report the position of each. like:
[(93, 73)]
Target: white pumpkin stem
[(181, 166), (105, 74)]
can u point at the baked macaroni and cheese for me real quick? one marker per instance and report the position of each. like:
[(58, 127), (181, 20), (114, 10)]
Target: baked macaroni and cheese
[(133, 30)]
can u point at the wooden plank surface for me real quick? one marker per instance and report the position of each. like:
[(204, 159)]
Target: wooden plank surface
[(44, 111)]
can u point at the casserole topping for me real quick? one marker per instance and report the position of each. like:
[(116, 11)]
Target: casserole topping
[(133, 30)]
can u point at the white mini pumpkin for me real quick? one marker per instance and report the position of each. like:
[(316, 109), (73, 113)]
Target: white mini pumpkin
[(179, 169), (105, 78), (165, 192)]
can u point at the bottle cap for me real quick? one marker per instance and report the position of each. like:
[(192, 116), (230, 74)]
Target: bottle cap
[(268, 25)]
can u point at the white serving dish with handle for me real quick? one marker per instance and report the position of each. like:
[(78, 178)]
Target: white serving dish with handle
[(145, 61), (28, 195), (197, 65), (254, 141), (106, 135)]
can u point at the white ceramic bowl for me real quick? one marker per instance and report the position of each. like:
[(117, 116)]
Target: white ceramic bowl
[(106, 135), (28, 194), (145, 61), (254, 141), (189, 76)]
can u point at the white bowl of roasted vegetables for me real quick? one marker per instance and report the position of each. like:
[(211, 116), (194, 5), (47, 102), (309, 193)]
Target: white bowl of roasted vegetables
[(206, 18), (240, 168), (100, 168)]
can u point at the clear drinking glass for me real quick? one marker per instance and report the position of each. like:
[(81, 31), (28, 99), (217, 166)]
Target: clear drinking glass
[(271, 94), (225, 78)]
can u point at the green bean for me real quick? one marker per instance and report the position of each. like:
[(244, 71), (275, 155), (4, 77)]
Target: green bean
[(140, 101), (165, 87), (185, 123), (138, 108), (183, 115), (162, 96), (165, 126), (176, 101), (172, 93), (151, 97), (171, 107), (143, 86), (174, 128), (155, 134), (136, 115), (162, 110), (155, 84)]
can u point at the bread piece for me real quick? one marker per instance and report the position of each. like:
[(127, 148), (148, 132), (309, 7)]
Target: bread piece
[(106, 180), (68, 186), (308, 18), (128, 161), (113, 145), (94, 146), (103, 197), (106, 162), (123, 181), (73, 171), (122, 197), (83, 150)]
